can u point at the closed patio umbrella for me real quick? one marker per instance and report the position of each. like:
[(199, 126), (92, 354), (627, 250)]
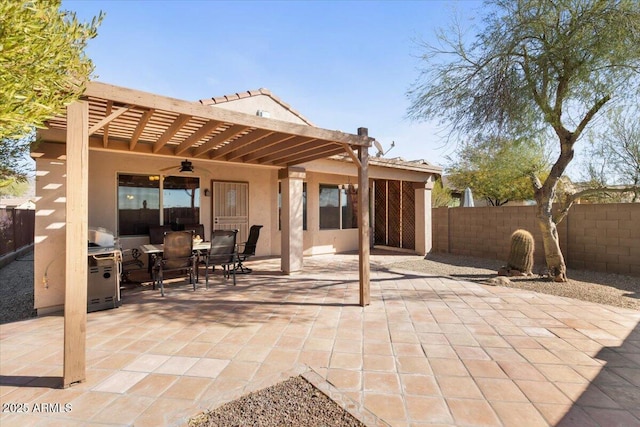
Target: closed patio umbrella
[(467, 198)]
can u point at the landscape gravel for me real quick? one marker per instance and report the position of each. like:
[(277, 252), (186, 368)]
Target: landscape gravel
[(604, 288), (293, 402)]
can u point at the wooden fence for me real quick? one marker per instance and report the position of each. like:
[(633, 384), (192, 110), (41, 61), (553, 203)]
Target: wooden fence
[(16, 229), (602, 237)]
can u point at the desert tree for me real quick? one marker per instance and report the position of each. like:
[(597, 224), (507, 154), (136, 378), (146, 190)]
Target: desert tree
[(613, 160), (535, 68), (43, 68), (497, 170)]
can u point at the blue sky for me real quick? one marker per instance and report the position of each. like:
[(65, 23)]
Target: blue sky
[(341, 64)]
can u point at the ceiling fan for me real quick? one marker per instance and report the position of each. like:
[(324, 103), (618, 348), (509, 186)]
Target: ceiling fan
[(185, 166)]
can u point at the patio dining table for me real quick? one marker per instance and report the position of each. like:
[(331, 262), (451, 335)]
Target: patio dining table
[(158, 248)]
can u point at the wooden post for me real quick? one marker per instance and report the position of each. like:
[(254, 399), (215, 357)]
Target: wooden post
[(77, 194), (363, 221)]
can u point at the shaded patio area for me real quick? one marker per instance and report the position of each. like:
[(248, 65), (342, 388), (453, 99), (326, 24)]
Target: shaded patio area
[(428, 350)]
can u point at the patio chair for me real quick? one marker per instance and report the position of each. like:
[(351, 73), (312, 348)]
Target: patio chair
[(223, 253), (177, 255), (249, 249)]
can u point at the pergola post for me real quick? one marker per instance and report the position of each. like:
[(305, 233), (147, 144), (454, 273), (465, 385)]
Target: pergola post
[(292, 245), (423, 237), (77, 213), (363, 221)]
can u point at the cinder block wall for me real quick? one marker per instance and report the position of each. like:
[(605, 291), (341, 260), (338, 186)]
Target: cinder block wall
[(592, 237)]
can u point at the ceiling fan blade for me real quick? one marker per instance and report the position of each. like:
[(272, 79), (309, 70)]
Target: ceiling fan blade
[(170, 167)]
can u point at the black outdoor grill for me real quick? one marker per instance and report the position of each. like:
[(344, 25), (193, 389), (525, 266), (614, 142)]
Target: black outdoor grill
[(104, 269)]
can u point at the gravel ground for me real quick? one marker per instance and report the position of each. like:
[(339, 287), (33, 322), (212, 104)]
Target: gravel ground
[(604, 288), (16, 289), (294, 402)]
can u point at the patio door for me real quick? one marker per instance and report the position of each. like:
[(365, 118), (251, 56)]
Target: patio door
[(231, 207)]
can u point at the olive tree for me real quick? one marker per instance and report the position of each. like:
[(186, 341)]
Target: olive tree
[(43, 69), (536, 67)]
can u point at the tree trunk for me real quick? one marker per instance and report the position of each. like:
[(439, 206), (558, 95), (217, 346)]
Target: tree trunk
[(553, 255), (545, 195)]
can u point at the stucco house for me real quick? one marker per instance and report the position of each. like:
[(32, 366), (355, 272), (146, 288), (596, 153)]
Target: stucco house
[(125, 160)]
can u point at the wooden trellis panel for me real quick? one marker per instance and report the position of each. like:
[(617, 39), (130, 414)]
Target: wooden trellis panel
[(380, 217), (408, 216), (394, 208)]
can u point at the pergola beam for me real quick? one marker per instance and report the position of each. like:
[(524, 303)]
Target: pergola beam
[(152, 101)]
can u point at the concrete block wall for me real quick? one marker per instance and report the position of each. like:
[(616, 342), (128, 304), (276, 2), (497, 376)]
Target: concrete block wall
[(592, 237)]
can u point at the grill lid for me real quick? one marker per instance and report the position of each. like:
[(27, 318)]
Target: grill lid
[(99, 236)]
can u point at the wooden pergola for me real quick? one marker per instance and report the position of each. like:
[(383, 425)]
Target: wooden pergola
[(118, 119)]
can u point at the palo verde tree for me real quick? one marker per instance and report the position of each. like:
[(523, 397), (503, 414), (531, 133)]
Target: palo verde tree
[(537, 66), (497, 170), (43, 69)]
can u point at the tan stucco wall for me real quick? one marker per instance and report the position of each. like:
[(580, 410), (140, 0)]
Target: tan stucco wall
[(49, 233), (252, 104), (104, 167)]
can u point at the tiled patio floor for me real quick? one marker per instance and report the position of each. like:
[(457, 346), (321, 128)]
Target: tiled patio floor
[(427, 351)]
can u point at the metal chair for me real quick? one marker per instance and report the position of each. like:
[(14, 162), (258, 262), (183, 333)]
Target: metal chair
[(223, 253), (249, 249), (177, 255)]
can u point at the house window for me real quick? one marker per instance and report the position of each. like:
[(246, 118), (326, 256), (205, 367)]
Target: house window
[(338, 207), (304, 206), (151, 200)]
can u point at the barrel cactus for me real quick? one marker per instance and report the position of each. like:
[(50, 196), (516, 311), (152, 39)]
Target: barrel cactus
[(521, 253)]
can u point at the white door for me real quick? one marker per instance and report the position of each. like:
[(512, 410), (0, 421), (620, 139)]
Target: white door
[(231, 207)]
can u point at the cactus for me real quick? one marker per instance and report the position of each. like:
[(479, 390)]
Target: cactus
[(521, 253)]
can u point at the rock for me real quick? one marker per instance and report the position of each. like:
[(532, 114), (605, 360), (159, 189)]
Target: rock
[(497, 281)]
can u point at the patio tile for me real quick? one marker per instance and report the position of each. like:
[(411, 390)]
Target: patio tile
[(484, 368), (379, 363), (123, 410), (521, 371), (176, 365), (153, 385), (448, 367), (612, 417), (427, 351), (240, 370), (461, 387), (146, 363), (428, 409), (345, 379), (388, 407), (88, 404), (505, 390), (519, 414), (209, 368), (469, 412), (381, 382), (120, 382), (188, 388), (541, 392), (423, 385)]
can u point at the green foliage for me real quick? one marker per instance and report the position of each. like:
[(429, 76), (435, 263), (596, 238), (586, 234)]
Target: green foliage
[(441, 195), (497, 170), (14, 160), (43, 67)]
